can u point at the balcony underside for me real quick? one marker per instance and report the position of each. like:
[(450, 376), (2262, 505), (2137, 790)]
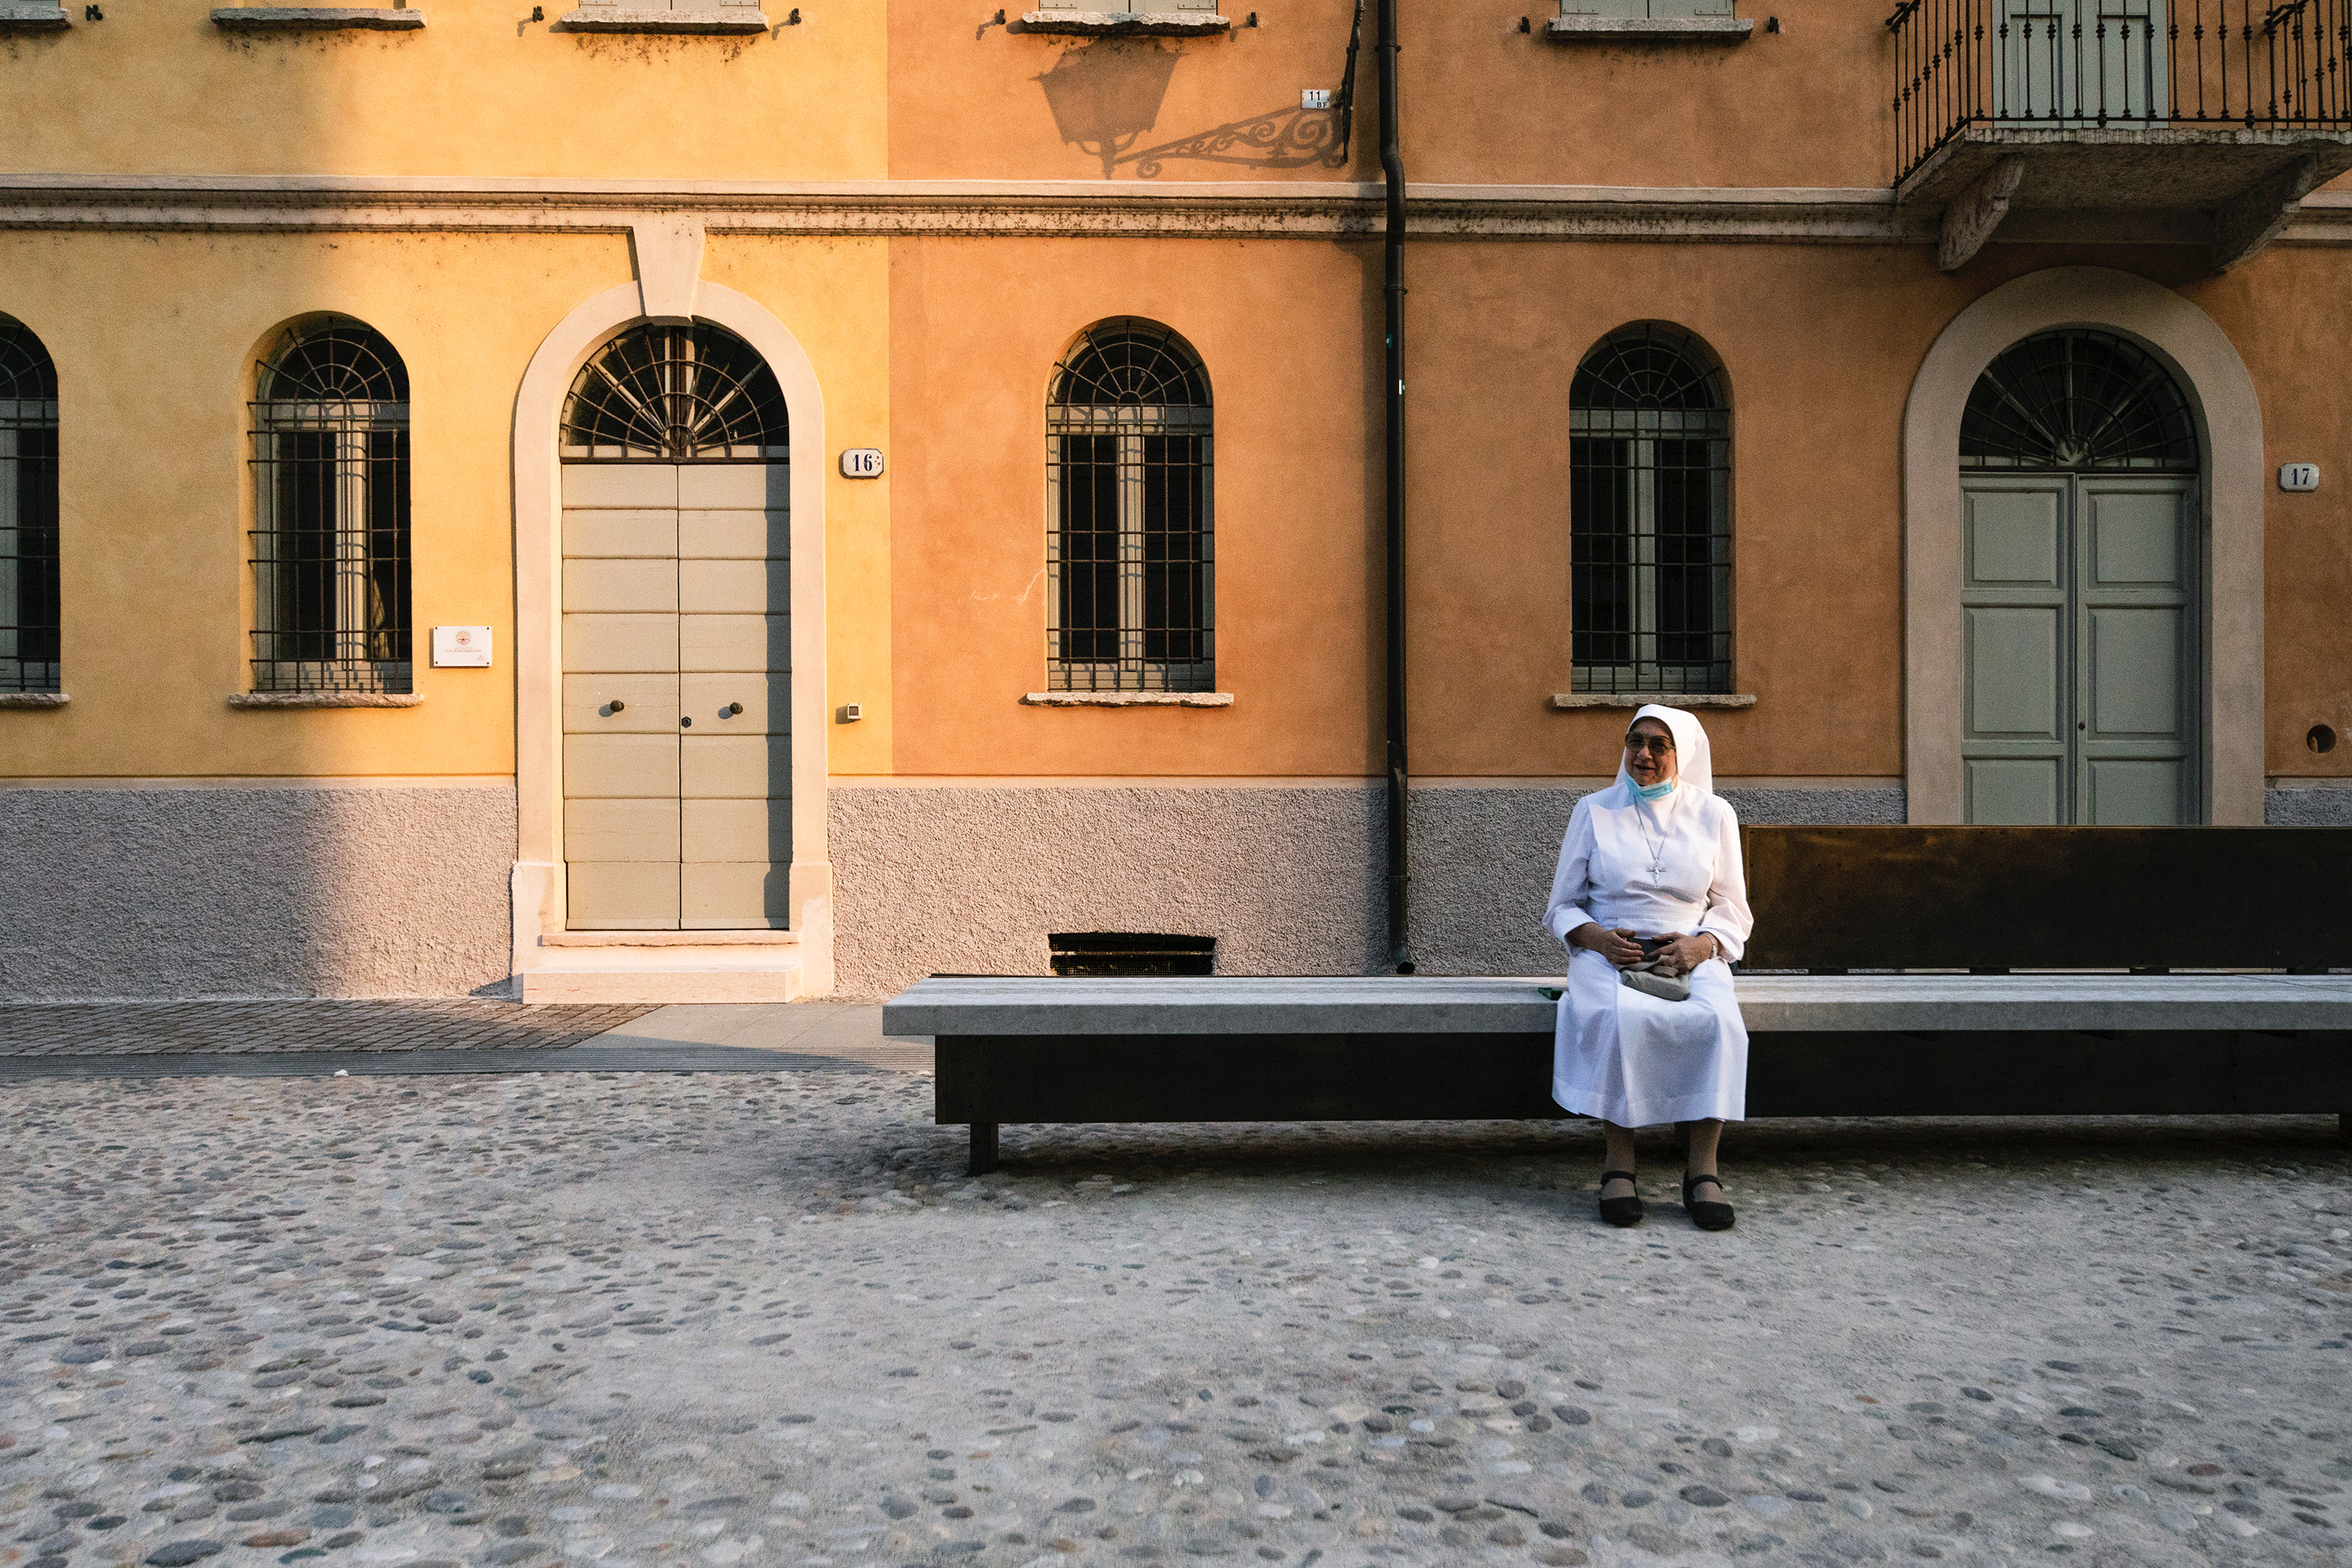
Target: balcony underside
[(2231, 190), (2068, 169)]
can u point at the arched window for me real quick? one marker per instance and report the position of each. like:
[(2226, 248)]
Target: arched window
[(674, 394), (28, 511), (1127, 480), (2077, 398), (331, 512), (1650, 515)]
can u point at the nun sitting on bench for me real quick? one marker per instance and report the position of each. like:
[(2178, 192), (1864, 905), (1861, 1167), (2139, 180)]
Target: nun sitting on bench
[(1652, 901)]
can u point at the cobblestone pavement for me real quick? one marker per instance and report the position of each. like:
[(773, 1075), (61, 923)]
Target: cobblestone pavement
[(142, 1028), (646, 1319)]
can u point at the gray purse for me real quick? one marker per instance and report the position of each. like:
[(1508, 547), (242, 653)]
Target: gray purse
[(1664, 987), (1644, 976)]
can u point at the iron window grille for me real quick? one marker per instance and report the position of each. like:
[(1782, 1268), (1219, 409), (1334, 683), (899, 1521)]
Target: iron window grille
[(1650, 515), (1128, 550), (331, 501), (2077, 398), (29, 512), (671, 394)]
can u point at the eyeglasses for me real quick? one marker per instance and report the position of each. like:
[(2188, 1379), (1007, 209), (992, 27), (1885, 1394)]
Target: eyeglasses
[(1653, 745)]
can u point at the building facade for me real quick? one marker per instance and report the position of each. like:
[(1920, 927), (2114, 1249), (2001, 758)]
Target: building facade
[(714, 503)]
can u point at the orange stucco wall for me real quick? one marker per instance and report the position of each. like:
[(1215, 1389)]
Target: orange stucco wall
[(1820, 344), (1282, 330), (1484, 102)]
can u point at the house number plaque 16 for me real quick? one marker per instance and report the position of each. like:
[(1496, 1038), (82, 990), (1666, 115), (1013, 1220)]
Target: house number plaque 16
[(861, 463)]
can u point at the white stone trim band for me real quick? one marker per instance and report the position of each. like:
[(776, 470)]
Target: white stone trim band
[(1048, 209)]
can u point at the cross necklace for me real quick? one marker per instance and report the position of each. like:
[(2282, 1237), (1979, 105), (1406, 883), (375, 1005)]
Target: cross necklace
[(1658, 849)]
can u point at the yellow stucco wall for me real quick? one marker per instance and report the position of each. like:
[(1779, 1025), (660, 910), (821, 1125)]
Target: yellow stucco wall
[(157, 89), (154, 337)]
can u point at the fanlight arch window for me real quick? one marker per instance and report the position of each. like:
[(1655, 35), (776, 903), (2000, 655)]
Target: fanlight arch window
[(1128, 430), (28, 511), (2078, 399), (1650, 515), (331, 512), (674, 394)]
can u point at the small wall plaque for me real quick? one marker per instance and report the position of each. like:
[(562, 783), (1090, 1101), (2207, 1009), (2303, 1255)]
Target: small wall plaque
[(861, 463), (461, 647), (2298, 476)]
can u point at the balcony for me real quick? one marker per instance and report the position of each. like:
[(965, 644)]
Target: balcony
[(2201, 121)]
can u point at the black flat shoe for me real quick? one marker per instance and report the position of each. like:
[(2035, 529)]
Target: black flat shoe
[(1621, 1211), (1707, 1215)]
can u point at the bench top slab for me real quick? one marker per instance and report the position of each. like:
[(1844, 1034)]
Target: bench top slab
[(1408, 1005)]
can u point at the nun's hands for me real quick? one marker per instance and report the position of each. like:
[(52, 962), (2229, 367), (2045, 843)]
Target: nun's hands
[(1619, 947), (1685, 954)]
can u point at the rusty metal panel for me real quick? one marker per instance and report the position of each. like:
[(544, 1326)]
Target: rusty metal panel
[(2048, 897)]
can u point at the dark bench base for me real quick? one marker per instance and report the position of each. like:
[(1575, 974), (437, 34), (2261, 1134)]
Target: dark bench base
[(985, 1080)]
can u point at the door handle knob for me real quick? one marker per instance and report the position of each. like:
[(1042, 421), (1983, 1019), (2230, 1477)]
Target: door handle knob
[(731, 709), (686, 721), (615, 705)]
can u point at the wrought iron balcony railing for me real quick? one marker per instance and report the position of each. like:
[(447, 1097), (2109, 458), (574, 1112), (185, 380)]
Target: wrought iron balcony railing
[(2110, 65)]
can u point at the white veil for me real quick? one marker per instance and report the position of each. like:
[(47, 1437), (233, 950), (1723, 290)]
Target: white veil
[(1693, 761)]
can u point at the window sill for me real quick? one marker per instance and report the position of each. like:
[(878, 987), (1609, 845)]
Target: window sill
[(313, 18), (670, 939), (602, 19), (1102, 24), (27, 18), (1127, 699), (1649, 29), (325, 699), (33, 699), (1572, 701)]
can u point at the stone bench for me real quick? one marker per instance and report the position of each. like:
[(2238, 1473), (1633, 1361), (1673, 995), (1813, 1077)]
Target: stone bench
[(1426, 1048)]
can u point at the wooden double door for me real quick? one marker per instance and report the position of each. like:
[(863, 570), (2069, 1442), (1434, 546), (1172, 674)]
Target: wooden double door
[(676, 695), (2083, 684)]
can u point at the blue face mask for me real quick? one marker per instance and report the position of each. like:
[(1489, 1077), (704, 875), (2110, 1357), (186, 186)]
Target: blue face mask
[(1655, 791)]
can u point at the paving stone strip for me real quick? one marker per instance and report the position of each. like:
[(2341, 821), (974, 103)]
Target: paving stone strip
[(97, 1028), (645, 1320)]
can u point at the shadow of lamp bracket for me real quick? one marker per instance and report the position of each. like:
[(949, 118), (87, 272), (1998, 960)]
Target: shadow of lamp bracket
[(1106, 95)]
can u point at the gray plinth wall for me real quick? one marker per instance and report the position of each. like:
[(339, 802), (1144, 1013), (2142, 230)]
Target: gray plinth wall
[(1290, 879), (2325, 806), (255, 892)]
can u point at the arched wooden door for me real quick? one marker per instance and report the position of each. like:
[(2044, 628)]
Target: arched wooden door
[(2082, 591), (677, 636)]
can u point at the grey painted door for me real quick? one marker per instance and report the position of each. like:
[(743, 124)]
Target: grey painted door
[(2077, 62), (2079, 606), (677, 696)]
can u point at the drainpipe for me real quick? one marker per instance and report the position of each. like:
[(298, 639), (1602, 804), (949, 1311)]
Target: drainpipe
[(1392, 168)]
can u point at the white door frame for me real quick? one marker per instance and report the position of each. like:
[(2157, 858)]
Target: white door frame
[(714, 970), (2230, 481)]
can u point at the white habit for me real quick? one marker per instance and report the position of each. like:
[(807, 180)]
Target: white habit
[(1662, 867)]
